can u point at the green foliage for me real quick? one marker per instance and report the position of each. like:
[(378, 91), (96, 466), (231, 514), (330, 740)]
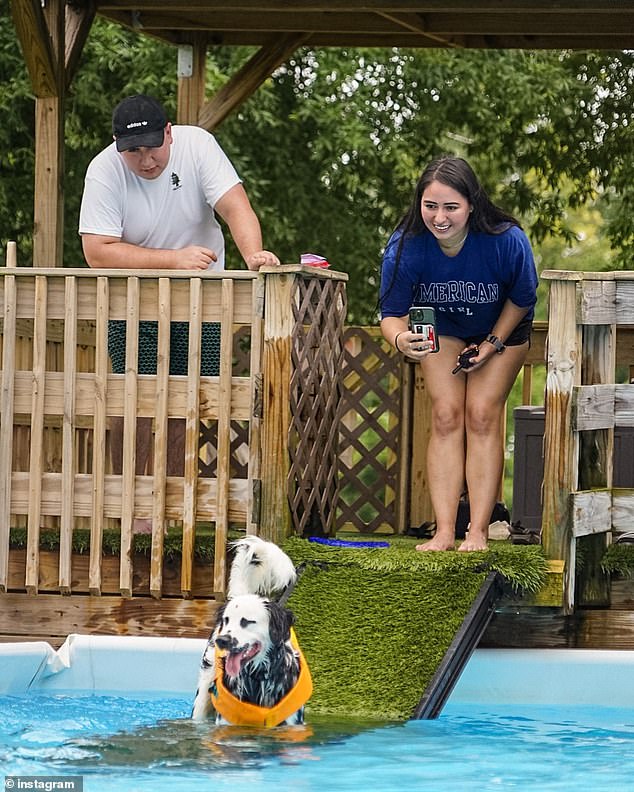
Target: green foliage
[(374, 624), (354, 128), (619, 560), (204, 544), (17, 141), (331, 145)]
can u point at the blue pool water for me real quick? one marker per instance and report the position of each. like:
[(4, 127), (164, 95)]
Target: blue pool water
[(138, 742)]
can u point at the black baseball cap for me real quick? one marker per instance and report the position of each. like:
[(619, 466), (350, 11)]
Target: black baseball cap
[(138, 121)]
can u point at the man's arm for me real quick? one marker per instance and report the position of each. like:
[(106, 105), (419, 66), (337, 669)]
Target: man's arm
[(106, 252), (235, 209)]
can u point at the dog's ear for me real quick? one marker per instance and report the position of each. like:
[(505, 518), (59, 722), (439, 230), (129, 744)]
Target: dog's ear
[(219, 616), (280, 622)]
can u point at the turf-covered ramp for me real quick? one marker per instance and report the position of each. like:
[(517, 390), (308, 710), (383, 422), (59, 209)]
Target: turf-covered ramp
[(375, 624)]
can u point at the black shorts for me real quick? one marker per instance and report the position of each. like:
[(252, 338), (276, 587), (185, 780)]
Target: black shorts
[(520, 335), (179, 347)]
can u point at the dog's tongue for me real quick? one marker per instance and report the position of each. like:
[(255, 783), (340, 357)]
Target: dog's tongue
[(233, 663), (235, 660)]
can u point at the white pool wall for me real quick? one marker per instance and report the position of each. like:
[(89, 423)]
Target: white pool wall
[(169, 666), (548, 676), (101, 663)]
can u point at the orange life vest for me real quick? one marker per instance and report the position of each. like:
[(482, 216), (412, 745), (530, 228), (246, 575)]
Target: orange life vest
[(242, 713)]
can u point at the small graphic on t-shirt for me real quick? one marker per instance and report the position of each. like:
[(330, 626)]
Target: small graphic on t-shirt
[(176, 181)]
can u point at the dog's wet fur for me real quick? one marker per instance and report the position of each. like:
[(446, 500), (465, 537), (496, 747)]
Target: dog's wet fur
[(260, 664)]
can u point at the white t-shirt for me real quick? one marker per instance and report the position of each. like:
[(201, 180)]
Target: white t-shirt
[(170, 212)]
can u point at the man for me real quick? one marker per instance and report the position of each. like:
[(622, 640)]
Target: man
[(150, 202)]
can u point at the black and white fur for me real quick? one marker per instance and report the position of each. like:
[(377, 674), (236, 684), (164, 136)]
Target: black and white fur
[(261, 666)]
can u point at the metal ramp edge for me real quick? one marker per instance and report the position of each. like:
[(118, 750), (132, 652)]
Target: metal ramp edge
[(460, 649)]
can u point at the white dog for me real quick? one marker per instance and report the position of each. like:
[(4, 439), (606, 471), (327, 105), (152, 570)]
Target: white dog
[(252, 670)]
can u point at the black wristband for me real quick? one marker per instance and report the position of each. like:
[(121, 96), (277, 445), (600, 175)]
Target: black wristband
[(396, 340), (495, 341)]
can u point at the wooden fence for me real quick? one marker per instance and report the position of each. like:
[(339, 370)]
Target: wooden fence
[(306, 427), (281, 342), (583, 405), (384, 427)]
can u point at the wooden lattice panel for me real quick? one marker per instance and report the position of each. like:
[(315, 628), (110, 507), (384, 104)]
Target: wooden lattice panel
[(238, 454), (369, 432), (315, 395)]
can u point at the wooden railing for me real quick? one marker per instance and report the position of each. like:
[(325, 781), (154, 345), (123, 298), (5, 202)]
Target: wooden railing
[(59, 397), (583, 405), (302, 429)]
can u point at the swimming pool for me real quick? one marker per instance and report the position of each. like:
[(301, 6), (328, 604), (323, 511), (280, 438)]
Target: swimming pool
[(526, 720)]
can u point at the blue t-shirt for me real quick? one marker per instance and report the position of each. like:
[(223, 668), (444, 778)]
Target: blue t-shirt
[(468, 290)]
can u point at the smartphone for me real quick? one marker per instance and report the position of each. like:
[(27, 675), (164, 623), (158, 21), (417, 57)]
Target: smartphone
[(422, 321)]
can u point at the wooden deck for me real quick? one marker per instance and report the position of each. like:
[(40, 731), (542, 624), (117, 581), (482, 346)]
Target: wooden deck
[(517, 627), (51, 595)]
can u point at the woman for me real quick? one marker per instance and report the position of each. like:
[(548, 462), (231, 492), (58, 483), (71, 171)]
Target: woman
[(455, 251)]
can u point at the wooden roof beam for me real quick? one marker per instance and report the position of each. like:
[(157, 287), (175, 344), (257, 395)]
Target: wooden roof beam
[(78, 22), (387, 6), (249, 78), (443, 28), (32, 29), (623, 41), (416, 24)]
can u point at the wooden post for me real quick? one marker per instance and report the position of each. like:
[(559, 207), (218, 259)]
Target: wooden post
[(596, 461), (99, 435), (37, 436), (191, 81), (254, 491), (68, 436), (7, 407), (275, 517), (129, 434), (192, 423), (48, 233), (223, 456), (560, 442), (421, 509), (161, 435)]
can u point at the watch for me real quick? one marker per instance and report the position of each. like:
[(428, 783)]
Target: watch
[(495, 341)]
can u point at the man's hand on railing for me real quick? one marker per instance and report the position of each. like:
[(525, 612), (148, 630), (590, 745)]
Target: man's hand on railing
[(261, 258), (195, 257)]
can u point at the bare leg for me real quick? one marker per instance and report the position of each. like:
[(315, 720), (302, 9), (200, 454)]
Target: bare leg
[(446, 450), (487, 391)]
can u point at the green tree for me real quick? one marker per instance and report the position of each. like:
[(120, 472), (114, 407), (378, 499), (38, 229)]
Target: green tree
[(347, 133), (330, 146), (17, 142)]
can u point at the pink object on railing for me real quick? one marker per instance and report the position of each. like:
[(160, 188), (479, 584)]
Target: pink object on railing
[(314, 260)]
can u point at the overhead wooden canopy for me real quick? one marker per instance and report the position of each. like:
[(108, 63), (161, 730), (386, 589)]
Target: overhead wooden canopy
[(53, 33), (496, 24)]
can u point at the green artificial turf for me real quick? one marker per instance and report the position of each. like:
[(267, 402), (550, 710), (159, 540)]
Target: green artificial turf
[(374, 624)]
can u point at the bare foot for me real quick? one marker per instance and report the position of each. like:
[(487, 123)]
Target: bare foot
[(475, 540), (437, 544)]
